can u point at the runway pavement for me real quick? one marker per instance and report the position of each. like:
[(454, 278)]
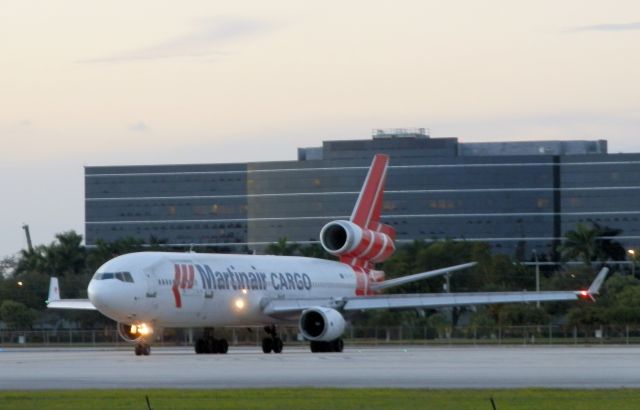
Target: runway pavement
[(415, 367)]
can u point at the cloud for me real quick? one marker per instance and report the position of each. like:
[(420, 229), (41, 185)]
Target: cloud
[(609, 27), (205, 41), (138, 127)]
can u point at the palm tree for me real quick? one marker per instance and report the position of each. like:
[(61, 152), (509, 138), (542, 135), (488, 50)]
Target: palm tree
[(610, 249), (592, 243), (67, 254), (581, 243)]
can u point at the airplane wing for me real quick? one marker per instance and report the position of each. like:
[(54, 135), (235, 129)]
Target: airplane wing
[(54, 301), (437, 300), (281, 307)]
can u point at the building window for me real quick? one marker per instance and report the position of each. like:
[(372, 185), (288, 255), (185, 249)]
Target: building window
[(542, 203), (575, 202), (441, 204)]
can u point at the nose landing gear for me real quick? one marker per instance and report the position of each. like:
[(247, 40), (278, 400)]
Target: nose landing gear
[(142, 349), (273, 343)]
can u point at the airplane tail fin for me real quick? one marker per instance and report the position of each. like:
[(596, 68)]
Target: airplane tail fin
[(363, 240), (366, 213)]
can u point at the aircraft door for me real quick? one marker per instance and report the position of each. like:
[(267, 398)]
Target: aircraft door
[(151, 294)]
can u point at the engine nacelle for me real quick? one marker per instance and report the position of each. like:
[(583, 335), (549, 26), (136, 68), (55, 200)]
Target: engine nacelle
[(321, 324), (134, 333), (346, 239)]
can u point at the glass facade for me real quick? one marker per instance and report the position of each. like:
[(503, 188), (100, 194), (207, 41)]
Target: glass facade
[(517, 203)]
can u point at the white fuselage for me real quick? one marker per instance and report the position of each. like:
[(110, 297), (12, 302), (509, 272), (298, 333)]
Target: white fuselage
[(209, 290)]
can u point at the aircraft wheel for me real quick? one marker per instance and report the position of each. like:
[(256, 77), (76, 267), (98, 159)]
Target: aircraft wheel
[(200, 346), (138, 349), (267, 345), (316, 347), (337, 345), (277, 345), (223, 346), (213, 345), (146, 349)]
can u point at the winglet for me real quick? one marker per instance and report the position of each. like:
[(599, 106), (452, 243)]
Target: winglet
[(594, 289), (54, 290)]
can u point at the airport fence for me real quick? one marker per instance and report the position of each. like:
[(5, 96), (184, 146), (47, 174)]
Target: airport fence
[(380, 335)]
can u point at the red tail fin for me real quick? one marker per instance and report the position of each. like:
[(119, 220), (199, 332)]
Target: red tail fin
[(369, 204), (363, 240), (366, 213)]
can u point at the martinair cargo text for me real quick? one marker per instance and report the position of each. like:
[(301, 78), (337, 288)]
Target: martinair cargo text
[(147, 291)]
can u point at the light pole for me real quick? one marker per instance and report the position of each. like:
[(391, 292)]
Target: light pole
[(632, 256), (535, 256)]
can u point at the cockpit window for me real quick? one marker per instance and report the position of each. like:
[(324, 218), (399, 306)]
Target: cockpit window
[(121, 276)]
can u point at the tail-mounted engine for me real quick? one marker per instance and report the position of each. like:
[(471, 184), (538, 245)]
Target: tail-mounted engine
[(134, 333), (347, 240), (320, 324)]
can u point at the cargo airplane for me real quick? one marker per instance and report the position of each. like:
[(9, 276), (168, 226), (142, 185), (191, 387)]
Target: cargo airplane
[(147, 291)]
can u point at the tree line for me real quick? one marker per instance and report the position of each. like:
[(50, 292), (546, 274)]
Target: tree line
[(24, 280)]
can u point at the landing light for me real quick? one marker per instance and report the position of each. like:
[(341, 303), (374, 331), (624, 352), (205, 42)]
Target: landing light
[(144, 329), (239, 303), (141, 329)]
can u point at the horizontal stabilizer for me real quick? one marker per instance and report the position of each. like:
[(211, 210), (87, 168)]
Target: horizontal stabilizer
[(54, 301), (419, 276), (72, 304)]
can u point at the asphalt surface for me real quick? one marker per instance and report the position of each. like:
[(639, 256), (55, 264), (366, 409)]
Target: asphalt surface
[(415, 367)]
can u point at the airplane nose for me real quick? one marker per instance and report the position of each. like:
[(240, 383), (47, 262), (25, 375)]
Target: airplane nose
[(115, 299), (99, 295)]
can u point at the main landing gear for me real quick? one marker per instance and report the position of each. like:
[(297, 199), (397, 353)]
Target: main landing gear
[(273, 343), (336, 346), (209, 344), (142, 349)]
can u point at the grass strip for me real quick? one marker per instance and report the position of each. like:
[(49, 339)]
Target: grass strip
[(312, 398)]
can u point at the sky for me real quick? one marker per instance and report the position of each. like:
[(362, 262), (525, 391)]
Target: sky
[(146, 82)]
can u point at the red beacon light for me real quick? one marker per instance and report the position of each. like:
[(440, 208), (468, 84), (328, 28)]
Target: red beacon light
[(584, 294)]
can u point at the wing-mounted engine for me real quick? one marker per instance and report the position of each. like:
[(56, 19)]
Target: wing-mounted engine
[(349, 241), (134, 333), (321, 324)]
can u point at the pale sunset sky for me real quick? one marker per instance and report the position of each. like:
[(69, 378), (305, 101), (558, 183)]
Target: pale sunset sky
[(148, 82)]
